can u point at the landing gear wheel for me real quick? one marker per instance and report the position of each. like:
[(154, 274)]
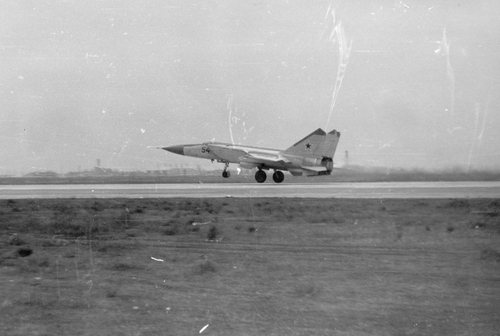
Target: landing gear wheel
[(260, 176), (278, 176), (225, 173)]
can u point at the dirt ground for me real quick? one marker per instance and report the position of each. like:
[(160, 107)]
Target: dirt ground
[(250, 267)]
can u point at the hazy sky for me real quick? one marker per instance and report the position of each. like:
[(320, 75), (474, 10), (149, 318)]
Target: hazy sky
[(87, 80)]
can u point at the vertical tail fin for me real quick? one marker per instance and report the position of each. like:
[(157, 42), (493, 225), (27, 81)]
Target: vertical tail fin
[(329, 145), (317, 144)]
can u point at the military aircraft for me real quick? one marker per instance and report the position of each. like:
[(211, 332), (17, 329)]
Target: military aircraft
[(311, 156)]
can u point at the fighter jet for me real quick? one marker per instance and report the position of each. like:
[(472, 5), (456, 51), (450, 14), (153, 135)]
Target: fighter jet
[(311, 156)]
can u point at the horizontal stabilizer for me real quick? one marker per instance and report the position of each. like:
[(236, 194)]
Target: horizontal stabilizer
[(314, 168)]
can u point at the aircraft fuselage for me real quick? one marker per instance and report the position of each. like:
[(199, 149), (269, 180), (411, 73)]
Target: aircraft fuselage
[(312, 155)]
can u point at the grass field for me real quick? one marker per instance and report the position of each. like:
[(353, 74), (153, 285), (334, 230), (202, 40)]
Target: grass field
[(250, 267)]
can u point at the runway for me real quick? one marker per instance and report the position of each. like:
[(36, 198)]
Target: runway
[(309, 190)]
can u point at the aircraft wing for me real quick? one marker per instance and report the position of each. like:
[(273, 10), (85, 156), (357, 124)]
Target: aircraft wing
[(263, 158)]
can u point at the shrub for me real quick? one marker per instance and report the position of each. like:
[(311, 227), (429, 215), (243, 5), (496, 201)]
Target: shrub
[(123, 266), (479, 225), (495, 204), (325, 217), (205, 267), (306, 290), (213, 232), (97, 206), (459, 204), (171, 231), (24, 251), (132, 233), (123, 220), (111, 292), (16, 240), (74, 226), (116, 247), (173, 227), (489, 254)]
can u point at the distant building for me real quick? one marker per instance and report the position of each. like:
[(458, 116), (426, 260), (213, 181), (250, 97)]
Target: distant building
[(42, 174)]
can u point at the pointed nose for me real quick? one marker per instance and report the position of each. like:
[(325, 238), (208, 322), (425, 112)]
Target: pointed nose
[(179, 149)]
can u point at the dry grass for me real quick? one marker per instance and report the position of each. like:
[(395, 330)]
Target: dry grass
[(249, 267)]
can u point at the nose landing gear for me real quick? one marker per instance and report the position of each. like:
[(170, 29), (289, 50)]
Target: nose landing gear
[(225, 173)]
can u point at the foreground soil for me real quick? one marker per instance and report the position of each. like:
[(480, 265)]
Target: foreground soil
[(250, 267)]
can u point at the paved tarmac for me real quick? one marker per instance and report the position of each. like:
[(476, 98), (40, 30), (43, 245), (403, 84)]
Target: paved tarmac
[(309, 190)]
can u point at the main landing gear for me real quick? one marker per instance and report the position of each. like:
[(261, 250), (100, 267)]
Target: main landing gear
[(278, 176), (260, 176), (225, 173)]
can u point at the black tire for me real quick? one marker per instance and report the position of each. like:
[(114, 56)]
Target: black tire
[(226, 174), (278, 176), (260, 176)]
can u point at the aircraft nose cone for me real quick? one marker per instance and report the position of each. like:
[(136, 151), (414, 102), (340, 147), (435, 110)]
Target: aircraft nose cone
[(179, 149)]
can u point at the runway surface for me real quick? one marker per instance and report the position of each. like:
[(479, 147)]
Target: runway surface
[(309, 190)]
